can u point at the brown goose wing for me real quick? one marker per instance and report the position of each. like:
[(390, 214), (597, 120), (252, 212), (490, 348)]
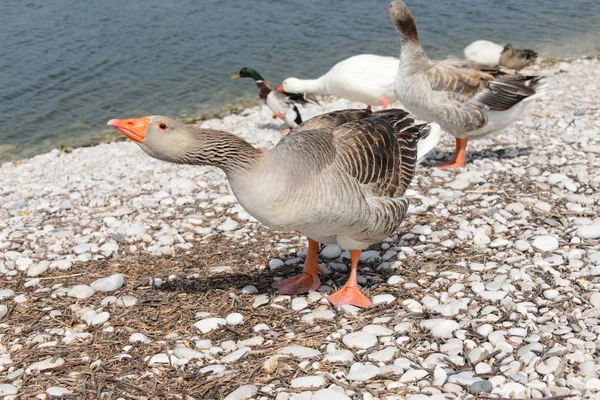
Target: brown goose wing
[(460, 79), (380, 151), (504, 92)]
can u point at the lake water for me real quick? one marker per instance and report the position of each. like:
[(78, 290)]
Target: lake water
[(68, 66)]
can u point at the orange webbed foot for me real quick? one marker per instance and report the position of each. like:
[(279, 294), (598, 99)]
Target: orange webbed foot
[(453, 164), (349, 295), (299, 284)]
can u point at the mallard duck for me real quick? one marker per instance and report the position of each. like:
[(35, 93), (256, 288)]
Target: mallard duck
[(337, 178), (365, 78), (468, 99), (282, 104), (516, 59)]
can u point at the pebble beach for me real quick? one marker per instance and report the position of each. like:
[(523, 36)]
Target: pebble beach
[(124, 277)]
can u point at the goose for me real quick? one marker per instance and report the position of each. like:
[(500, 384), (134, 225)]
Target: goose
[(365, 78), (336, 178), (516, 59), (484, 52), (282, 104), (468, 99)]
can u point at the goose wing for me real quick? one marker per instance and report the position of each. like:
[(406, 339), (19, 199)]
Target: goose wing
[(460, 79), (380, 151)]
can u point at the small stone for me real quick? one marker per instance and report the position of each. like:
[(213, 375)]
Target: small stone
[(331, 251), (48, 363), (260, 301), (236, 355), (340, 356), (481, 387), (545, 243), (108, 284), (81, 291), (383, 299), (249, 289), (362, 372), (299, 303), (440, 328), (126, 301), (275, 264), (139, 338), (37, 269), (522, 245), (300, 351), (229, 225), (210, 324), (234, 319), (58, 391), (413, 375), (8, 389), (313, 381), (242, 393), (360, 340), (589, 231)]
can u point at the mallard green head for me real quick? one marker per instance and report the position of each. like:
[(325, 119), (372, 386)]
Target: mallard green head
[(248, 73)]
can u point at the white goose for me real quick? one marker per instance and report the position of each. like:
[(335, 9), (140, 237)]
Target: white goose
[(337, 178), (468, 100), (365, 78), (484, 52)]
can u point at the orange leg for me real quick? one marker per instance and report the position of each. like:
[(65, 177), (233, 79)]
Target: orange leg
[(460, 155), (350, 294), (278, 115), (284, 131), (385, 103), (308, 280)]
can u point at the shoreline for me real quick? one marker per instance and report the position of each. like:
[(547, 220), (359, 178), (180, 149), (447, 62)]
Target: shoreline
[(147, 279), (239, 109)]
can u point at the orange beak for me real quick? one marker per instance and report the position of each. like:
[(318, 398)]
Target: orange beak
[(134, 129), (387, 9), (280, 88)]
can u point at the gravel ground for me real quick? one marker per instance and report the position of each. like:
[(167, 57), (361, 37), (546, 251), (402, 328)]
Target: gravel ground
[(125, 277)]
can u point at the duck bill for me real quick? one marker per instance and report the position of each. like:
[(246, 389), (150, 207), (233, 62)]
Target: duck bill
[(236, 76), (387, 9), (134, 129), (280, 88)]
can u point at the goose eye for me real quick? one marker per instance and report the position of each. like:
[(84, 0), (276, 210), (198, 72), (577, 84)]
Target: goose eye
[(162, 126)]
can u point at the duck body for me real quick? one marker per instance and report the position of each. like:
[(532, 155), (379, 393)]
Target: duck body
[(365, 78), (484, 52), (516, 59), (282, 104), (468, 99), (337, 178)]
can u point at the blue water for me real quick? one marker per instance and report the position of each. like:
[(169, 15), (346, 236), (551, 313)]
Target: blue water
[(67, 66)]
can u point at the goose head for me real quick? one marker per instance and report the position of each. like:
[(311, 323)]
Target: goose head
[(169, 140), (403, 20), (160, 137), (248, 73), (292, 85)]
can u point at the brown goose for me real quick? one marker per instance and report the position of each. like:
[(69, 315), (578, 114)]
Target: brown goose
[(337, 178), (282, 104), (469, 100), (516, 59)]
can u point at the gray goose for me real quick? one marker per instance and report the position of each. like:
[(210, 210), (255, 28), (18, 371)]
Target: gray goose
[(282, 104), (337, 178), (468, 99), (516, 59)]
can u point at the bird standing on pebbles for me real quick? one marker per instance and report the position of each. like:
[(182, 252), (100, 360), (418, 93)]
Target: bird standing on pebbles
[(469, 100), (282, 104), (337, 178)]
